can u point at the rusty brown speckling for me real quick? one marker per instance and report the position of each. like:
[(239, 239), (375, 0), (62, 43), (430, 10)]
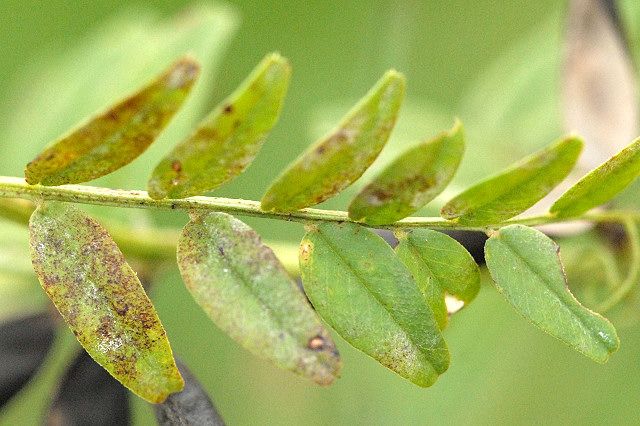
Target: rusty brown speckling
[(244, 289), (100, 297), (116, 137)]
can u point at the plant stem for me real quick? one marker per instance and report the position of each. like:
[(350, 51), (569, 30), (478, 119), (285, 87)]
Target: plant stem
[(12, 187), (149, 244)]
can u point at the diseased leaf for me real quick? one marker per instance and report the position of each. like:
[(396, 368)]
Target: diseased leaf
[(116, 137), (601, 184), (227, 141), (245, 290), (411, 181), (341, 157), (357, 285), (526, 269), (441, 266), (99, 296), (192, 406), (87, 393), (517, 188)]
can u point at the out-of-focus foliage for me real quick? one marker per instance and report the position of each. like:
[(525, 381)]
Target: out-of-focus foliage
[(515, 112)]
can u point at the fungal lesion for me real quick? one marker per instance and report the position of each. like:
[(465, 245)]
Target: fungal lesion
[(306, 247)]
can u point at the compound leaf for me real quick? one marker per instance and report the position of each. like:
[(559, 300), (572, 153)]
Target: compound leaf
[(526, 269), (116, 137), (244, 289), (441, 266), (411, 181), (601, 184), (357, 285), (514, 190), (100, 297), (341, 157), (228, 140)]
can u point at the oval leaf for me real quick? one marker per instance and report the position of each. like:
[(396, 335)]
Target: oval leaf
[(338, 159), (601, 184), (526, 269), (514, 190), (228, 140), (357, 285), (116, 137), (441, 266), (411, 181), (244, 289), (100, 297)]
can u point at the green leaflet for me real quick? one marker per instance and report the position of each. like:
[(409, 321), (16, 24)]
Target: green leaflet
[(601, 184), (341, 157), (411, 181), (514, 190), (228, 140), (526, 269), (440, 266), (357, 285), (100, 297), (116, 137), (245, 290)]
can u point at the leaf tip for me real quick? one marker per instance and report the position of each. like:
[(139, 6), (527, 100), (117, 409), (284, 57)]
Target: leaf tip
[(183, 73), (394, 76)]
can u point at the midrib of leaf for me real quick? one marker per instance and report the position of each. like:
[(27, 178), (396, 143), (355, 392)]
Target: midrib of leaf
[(415, 251), (277, 319), (374, 297), (551, 290)]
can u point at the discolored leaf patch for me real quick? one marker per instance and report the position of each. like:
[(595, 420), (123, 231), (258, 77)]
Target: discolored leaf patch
[(228, 140), (247, 293), (601, 184), (359, 287), (341, 157), (441, 266), (411, 181), (526, 269), (514, 190), (100, 297), (116, 137)]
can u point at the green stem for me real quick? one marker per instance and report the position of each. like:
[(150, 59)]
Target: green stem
[(152, 245), (11, 187)]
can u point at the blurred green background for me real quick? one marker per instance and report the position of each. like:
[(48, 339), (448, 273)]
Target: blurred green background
[(494, 64)]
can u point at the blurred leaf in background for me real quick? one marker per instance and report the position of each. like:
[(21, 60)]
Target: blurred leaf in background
[(496, 65)]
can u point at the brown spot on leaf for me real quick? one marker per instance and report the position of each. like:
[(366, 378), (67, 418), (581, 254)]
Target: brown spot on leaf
[(228, 109), (305, 250), (176, 166), (316, 343)]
